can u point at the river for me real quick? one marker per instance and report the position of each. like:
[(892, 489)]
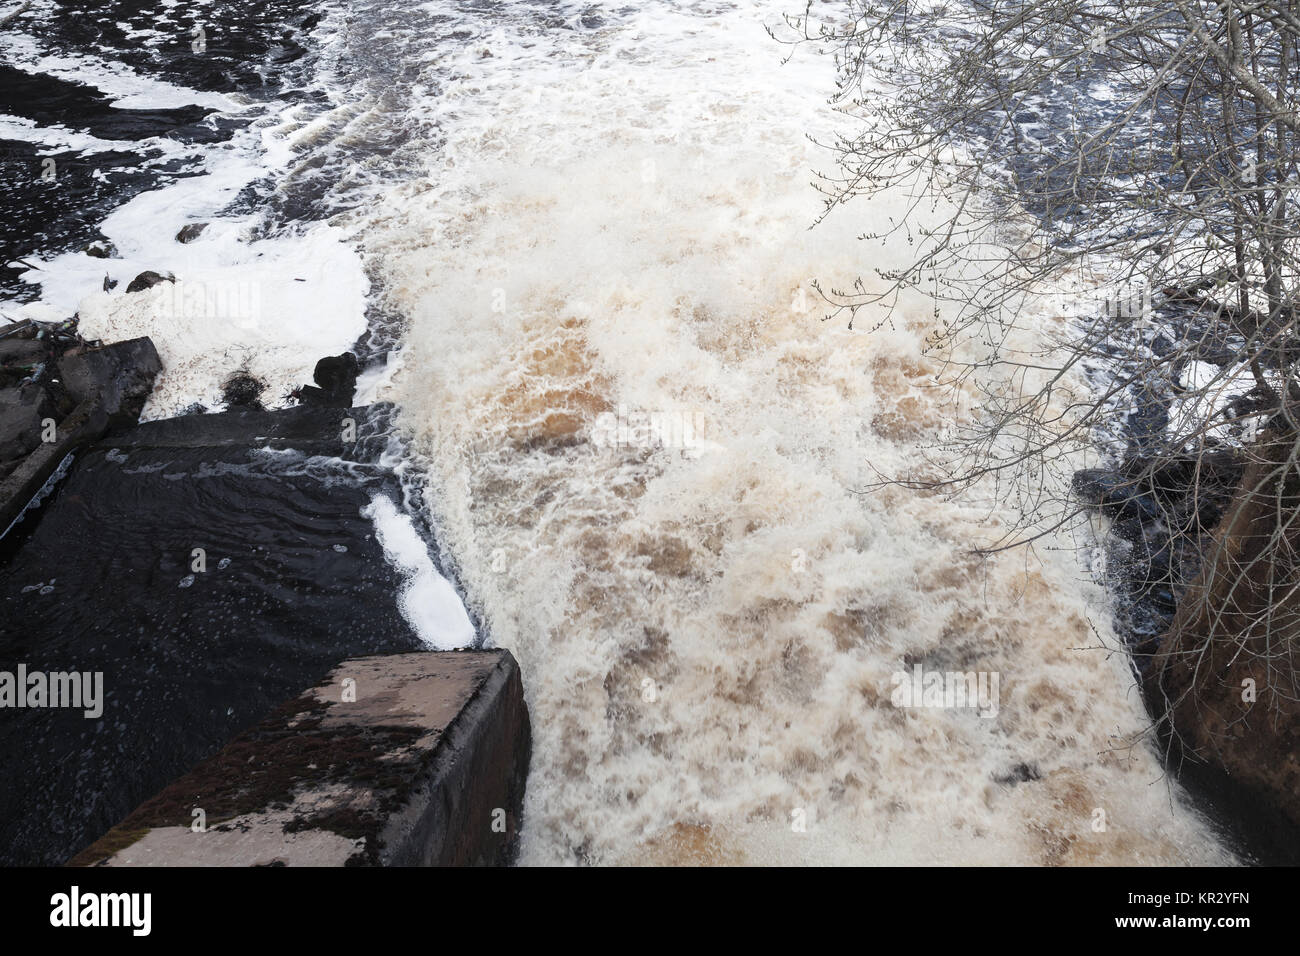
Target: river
[(579, 238)]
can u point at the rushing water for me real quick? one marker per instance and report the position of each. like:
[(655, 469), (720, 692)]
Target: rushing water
[(575, 217)]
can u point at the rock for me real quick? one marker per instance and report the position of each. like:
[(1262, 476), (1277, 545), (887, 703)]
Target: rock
[(310, 395), (22, 415), (1114, 493), (101, 249), (24, 329), (1020, 773), (191, 232), (17, 489), (147, 280), (121, 376), (1168, 489), (314, 431), (277, 608), (21, 352), (422, 763), (27, 395), (336, 377)]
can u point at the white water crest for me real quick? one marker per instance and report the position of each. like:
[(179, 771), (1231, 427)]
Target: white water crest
[(428, 601), (610, 212)]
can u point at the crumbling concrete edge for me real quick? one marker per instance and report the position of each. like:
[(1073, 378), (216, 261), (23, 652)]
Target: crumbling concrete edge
[(440, 820), (421, 793)]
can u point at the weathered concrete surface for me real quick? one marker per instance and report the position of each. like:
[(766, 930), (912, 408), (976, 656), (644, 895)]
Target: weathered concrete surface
[(426, 767)]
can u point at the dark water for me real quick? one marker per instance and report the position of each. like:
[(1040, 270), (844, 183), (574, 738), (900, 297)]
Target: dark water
[(295, 582)]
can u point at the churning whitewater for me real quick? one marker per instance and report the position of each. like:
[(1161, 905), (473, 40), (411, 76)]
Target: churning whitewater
[(644, 453), (643, 449)]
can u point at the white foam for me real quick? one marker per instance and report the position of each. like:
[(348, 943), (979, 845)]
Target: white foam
[(1203, 413), (305, 294), (619, 217), (428, 602), (126, 88), (58, 137), (297, 296)]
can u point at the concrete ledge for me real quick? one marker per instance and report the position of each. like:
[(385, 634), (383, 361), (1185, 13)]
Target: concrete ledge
[(425, 767)]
